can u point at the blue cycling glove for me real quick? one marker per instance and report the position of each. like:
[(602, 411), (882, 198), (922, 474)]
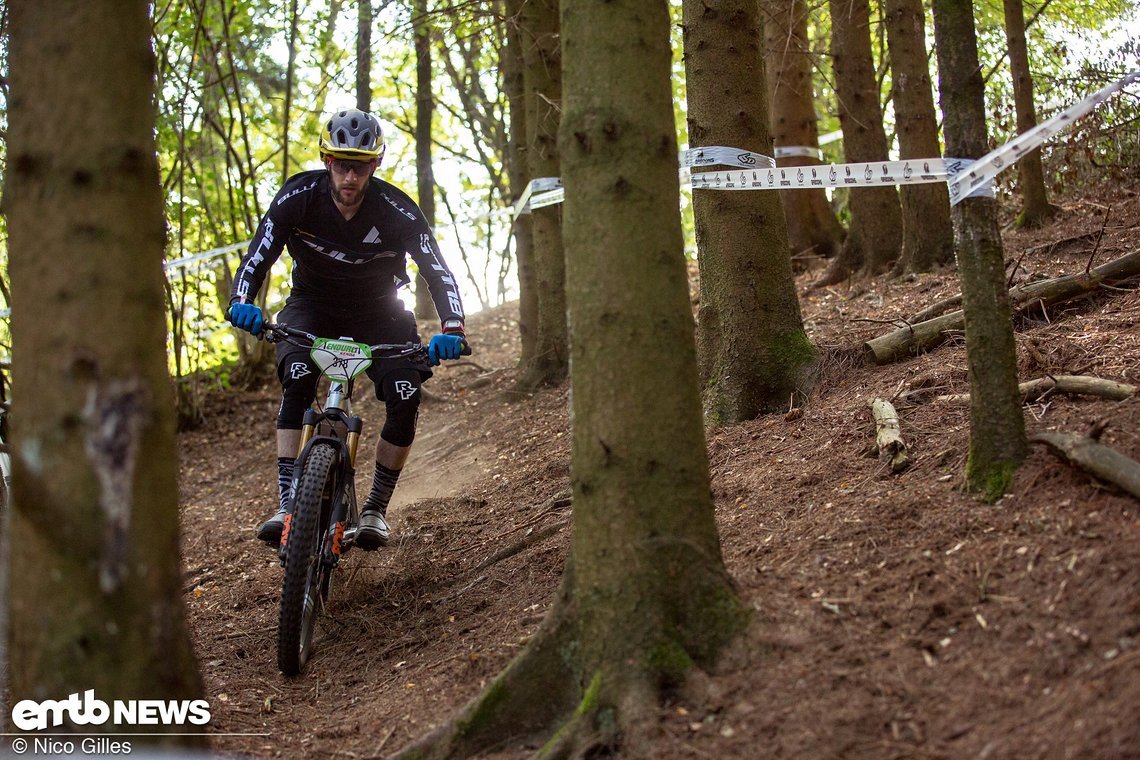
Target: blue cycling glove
[(246, 316), (444, 347)]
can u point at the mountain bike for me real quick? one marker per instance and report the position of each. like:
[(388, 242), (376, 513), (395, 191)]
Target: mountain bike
[(322, 521)]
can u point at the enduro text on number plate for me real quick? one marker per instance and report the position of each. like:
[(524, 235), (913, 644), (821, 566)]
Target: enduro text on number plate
[(341, 360)]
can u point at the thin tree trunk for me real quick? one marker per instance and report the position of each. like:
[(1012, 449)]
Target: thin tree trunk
[(812, 225), (874, 237), (753, 352), (1031, 175), (364, 55), (290, 71), (542, 57), (519, 179), (425, 109), (928, 236), (94, 458), (997, 427)]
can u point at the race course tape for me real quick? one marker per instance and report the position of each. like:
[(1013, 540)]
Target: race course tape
[(873, 173), (993, 163), (964, 178)]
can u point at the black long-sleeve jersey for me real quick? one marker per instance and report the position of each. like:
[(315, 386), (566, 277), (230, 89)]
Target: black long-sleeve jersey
[(354, 262)]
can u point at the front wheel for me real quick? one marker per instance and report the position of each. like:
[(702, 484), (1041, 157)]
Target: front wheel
[(302, 586)]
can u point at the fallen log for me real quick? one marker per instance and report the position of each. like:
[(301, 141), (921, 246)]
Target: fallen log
[(888, 440), (914, 338), (1032, 390), (1095, 458)]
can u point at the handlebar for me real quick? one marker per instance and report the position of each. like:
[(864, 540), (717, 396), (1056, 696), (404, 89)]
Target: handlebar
[(273, 332)]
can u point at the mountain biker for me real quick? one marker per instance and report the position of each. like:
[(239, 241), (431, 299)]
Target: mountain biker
[(348, 233)]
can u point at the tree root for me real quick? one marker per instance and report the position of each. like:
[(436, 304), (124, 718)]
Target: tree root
[(536, 691)]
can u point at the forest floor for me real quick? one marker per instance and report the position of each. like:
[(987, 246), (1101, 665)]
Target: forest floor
[(896, 616)]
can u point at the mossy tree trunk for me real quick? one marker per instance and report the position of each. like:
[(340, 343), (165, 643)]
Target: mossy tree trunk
[(542, 77), (519, 177), (928, 236), (1035, 206), (645, 597), (812, 225), (997, 427), (874, 237), (752, 348), (95, 593)]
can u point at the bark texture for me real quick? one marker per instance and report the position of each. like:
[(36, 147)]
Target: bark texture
[(96, 598), (752, 348), (812, 225), (928, 236), (645, 597), (1030, 173), (874, 238), (542, 78), (519, 177), (425, 110), (997, 427)]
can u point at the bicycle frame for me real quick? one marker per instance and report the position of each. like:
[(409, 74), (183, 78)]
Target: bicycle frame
[(323, 509)]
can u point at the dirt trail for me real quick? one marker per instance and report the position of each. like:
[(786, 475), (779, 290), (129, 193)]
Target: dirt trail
[(895, 616), (440, 457)]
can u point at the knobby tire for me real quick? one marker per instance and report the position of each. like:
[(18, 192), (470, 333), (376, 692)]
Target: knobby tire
[(303, 581)]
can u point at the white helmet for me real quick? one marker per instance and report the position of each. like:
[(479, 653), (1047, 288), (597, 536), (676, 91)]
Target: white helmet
[(354, 135)]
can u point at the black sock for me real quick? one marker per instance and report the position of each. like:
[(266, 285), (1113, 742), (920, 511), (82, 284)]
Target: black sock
[(285, 467), (383, 484)]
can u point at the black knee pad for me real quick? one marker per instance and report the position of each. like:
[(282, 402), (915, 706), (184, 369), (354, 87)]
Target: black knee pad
[(299, 388), (400, 392)]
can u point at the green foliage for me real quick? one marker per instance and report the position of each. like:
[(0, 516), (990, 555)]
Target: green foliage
[(222, 69)]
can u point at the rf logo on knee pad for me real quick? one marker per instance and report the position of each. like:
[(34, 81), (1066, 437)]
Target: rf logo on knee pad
[(405, 389)]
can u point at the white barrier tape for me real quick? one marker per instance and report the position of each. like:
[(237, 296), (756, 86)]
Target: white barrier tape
[(548, 198), (872, 174), (831, 137), (788, 151), (720, 154), (186, 261), (990, 165), (540, 185)]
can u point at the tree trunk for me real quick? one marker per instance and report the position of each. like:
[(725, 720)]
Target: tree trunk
[(928, 237), (512, 67), (290, 78), (1030, 173), (997, 427), (425, 108), (812, 225), (96, 598), (645, 597), (753, 351), (364, 54), (542, 76), (874, 237)]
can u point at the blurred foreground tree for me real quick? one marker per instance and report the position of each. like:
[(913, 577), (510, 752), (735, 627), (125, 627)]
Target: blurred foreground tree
[(645, 597), (96, 583)]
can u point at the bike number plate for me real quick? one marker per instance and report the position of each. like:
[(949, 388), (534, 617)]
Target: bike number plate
[(341, 360)]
